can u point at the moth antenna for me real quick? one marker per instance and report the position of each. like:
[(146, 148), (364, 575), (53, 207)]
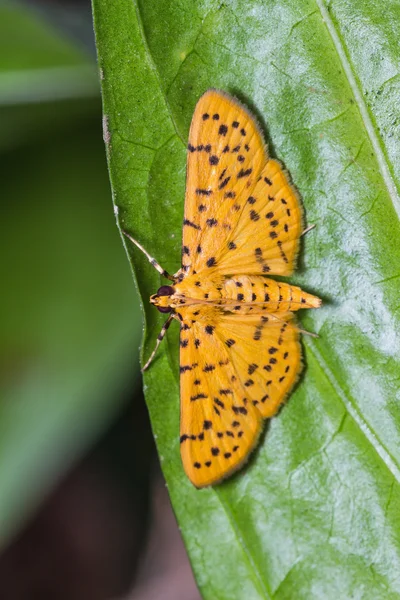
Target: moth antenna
[(151, 260), (160, 338), (307, 229)]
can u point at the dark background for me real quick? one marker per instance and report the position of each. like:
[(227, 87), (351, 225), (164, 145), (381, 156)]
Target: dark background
[(84, 513)]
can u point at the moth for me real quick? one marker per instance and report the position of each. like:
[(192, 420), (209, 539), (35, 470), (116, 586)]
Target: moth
[(240, 354)]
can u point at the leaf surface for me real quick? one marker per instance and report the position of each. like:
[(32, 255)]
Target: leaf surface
[(315, 512)]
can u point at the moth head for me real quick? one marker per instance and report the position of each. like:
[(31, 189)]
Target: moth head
[(162, 299)]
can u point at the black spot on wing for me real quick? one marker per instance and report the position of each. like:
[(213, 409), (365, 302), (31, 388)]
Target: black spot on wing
[(211, 262), (224, 183), (244, 173), (190, 224), (198, 397)]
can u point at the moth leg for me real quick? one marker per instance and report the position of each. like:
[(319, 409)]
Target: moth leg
[(307, 229), (160, 338), (151, 260)]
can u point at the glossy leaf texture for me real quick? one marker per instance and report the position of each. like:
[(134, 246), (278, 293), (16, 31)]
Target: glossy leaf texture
[(315, 512)]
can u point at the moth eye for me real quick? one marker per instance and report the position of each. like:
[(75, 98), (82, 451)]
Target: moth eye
[(165, 290), (164, 309)]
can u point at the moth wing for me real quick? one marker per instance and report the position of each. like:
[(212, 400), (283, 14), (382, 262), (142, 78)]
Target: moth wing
[(266, 352), (266, 237), (233, 375), (218, 428), (226, 153)]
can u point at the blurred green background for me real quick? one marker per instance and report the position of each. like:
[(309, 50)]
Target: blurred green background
[(76, 453)]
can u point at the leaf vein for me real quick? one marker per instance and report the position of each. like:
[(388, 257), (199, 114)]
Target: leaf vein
[(354, 412), (362, 107), (262, 586), (155, 70)]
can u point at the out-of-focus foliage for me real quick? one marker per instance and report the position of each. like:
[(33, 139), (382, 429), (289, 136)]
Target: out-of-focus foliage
[(315, 512), (69, 317)]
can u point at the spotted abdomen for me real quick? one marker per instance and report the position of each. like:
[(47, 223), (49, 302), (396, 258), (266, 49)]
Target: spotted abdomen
[(260, 294)]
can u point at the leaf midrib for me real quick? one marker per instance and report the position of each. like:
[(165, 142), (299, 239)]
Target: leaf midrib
[(353, 411), (376, 142)]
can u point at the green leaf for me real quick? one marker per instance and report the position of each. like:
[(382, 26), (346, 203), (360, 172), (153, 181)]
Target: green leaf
[(69, 318), (315, 512)]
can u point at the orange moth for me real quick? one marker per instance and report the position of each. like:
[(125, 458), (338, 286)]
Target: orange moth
[(239, 344)]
